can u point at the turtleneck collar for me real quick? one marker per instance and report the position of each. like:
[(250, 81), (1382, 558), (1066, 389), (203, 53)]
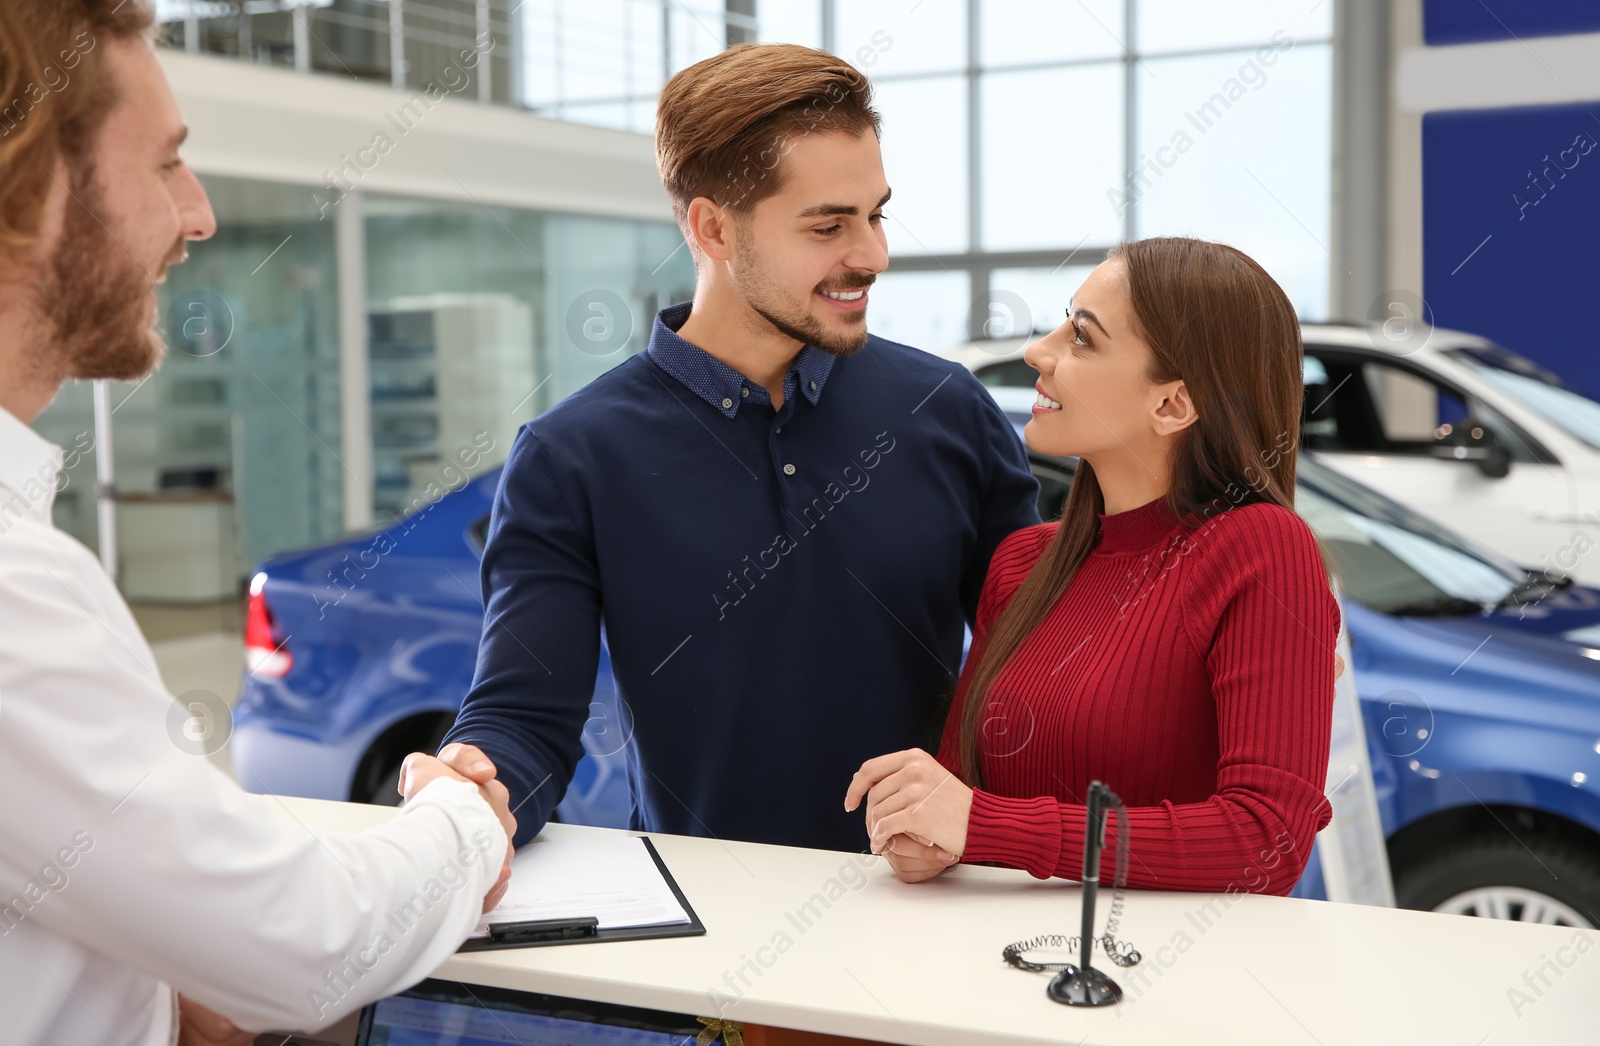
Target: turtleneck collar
[(1137, 528)]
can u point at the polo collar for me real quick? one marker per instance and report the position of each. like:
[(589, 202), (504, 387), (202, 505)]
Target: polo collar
[(724, 388)]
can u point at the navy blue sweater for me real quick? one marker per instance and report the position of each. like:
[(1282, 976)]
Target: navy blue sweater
[(782, 592)]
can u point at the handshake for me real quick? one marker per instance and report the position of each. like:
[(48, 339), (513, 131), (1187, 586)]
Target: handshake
[(465, 763)]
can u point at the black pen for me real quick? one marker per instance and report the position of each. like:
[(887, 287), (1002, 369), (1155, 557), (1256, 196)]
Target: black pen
[(540, 930), (1093, 844)]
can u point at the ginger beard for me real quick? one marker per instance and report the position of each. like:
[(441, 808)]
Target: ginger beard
[(787, 314), (94, 296)]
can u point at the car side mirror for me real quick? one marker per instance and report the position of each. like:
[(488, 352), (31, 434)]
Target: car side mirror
[(1475, 442)]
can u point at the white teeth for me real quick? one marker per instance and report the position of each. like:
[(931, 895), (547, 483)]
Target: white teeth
[(1046, 401), (844, 295)]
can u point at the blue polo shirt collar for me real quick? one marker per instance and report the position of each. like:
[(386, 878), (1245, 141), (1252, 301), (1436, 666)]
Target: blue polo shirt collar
[(719, 384)]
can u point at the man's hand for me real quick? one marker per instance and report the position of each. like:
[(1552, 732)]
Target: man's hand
[(1338, 667), (198, 1026), (468, 761), (914, 859), (420, 768)]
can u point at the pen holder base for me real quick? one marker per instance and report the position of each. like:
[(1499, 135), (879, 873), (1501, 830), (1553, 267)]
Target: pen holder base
[(1085, 987)]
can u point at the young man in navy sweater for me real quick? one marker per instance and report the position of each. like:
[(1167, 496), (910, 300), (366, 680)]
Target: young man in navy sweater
[(781, 521)]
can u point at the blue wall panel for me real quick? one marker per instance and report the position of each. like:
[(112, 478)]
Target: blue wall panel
[(1511, 231), (1467, 21)]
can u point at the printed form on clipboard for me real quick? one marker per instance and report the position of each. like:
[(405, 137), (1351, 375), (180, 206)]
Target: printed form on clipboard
[(618, 881)]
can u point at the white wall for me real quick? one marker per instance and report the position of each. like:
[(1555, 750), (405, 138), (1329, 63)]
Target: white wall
[(248, 121)]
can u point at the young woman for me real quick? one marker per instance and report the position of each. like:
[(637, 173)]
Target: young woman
[(1173, 634)]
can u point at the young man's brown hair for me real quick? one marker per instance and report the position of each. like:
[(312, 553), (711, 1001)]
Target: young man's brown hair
[(723, 125), (53, 95)]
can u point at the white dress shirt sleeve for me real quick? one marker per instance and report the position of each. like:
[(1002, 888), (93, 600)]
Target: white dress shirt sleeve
[(157, 860)]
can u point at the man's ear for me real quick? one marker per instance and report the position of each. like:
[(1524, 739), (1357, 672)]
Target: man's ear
[(710, 228), (1174, 410)]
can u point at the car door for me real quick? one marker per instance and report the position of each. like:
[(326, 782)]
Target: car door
[(1378, 420)]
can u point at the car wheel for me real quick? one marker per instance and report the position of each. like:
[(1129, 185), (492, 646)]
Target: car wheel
[(1538, 879), (387, 792), (377, 780)]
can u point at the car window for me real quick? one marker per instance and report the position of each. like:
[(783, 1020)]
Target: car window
[(1364, 406), (1537, 389), (1007, 374), (1394, 569)]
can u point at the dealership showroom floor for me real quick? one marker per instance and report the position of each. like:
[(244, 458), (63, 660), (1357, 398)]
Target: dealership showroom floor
[(437, 220)]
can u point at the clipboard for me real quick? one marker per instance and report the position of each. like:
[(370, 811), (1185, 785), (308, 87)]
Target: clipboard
[(693, 928)]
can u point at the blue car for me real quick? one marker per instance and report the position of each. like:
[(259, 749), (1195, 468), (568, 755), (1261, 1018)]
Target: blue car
[(1479, 684)]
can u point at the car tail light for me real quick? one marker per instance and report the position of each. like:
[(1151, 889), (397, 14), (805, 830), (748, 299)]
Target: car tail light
[(264, 653)]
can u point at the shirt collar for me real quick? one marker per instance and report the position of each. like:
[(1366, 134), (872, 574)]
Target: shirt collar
[(29, 468), (719, 384)]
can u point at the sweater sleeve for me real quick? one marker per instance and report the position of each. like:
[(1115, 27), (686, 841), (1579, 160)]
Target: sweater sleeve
[(540, 647), (1258, 610)]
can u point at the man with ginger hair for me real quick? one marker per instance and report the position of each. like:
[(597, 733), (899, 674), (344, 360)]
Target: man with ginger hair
[(781, 521), (132, 870)]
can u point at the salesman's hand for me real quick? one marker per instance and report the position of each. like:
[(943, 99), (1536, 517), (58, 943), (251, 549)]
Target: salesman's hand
[(910, 793), (420, 768), (198, 1026), (1338, 666), (915, 859), (470, 762)]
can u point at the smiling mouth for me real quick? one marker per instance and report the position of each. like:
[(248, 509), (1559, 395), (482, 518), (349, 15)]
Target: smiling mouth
[(853, 300), (1043, 402)]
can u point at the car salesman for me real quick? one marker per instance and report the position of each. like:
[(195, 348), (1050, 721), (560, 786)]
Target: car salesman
[(142, 891)]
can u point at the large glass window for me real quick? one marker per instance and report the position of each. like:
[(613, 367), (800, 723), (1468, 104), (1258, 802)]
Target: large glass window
[(886, 38), (1089, 123), (1167, 26), (1051, 153), (604, 61), (924, 130), (1235, 146), (480, 318), (1018, 134), (791, 22), (230, 451), (1029, 32)]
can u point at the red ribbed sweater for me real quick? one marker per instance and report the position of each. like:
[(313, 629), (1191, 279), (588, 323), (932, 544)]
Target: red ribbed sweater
[(1192, 672)]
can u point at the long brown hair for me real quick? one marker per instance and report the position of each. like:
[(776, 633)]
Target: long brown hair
[(1213, 318)]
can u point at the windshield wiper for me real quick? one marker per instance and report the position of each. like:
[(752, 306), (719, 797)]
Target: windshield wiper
[(1537, 585), (1442, 605)]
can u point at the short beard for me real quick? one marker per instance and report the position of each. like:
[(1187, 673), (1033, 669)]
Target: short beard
[(787, 316), (93, 297)]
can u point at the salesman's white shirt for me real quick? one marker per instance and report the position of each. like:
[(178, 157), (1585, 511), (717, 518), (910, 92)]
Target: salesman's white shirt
[(131, 870)]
